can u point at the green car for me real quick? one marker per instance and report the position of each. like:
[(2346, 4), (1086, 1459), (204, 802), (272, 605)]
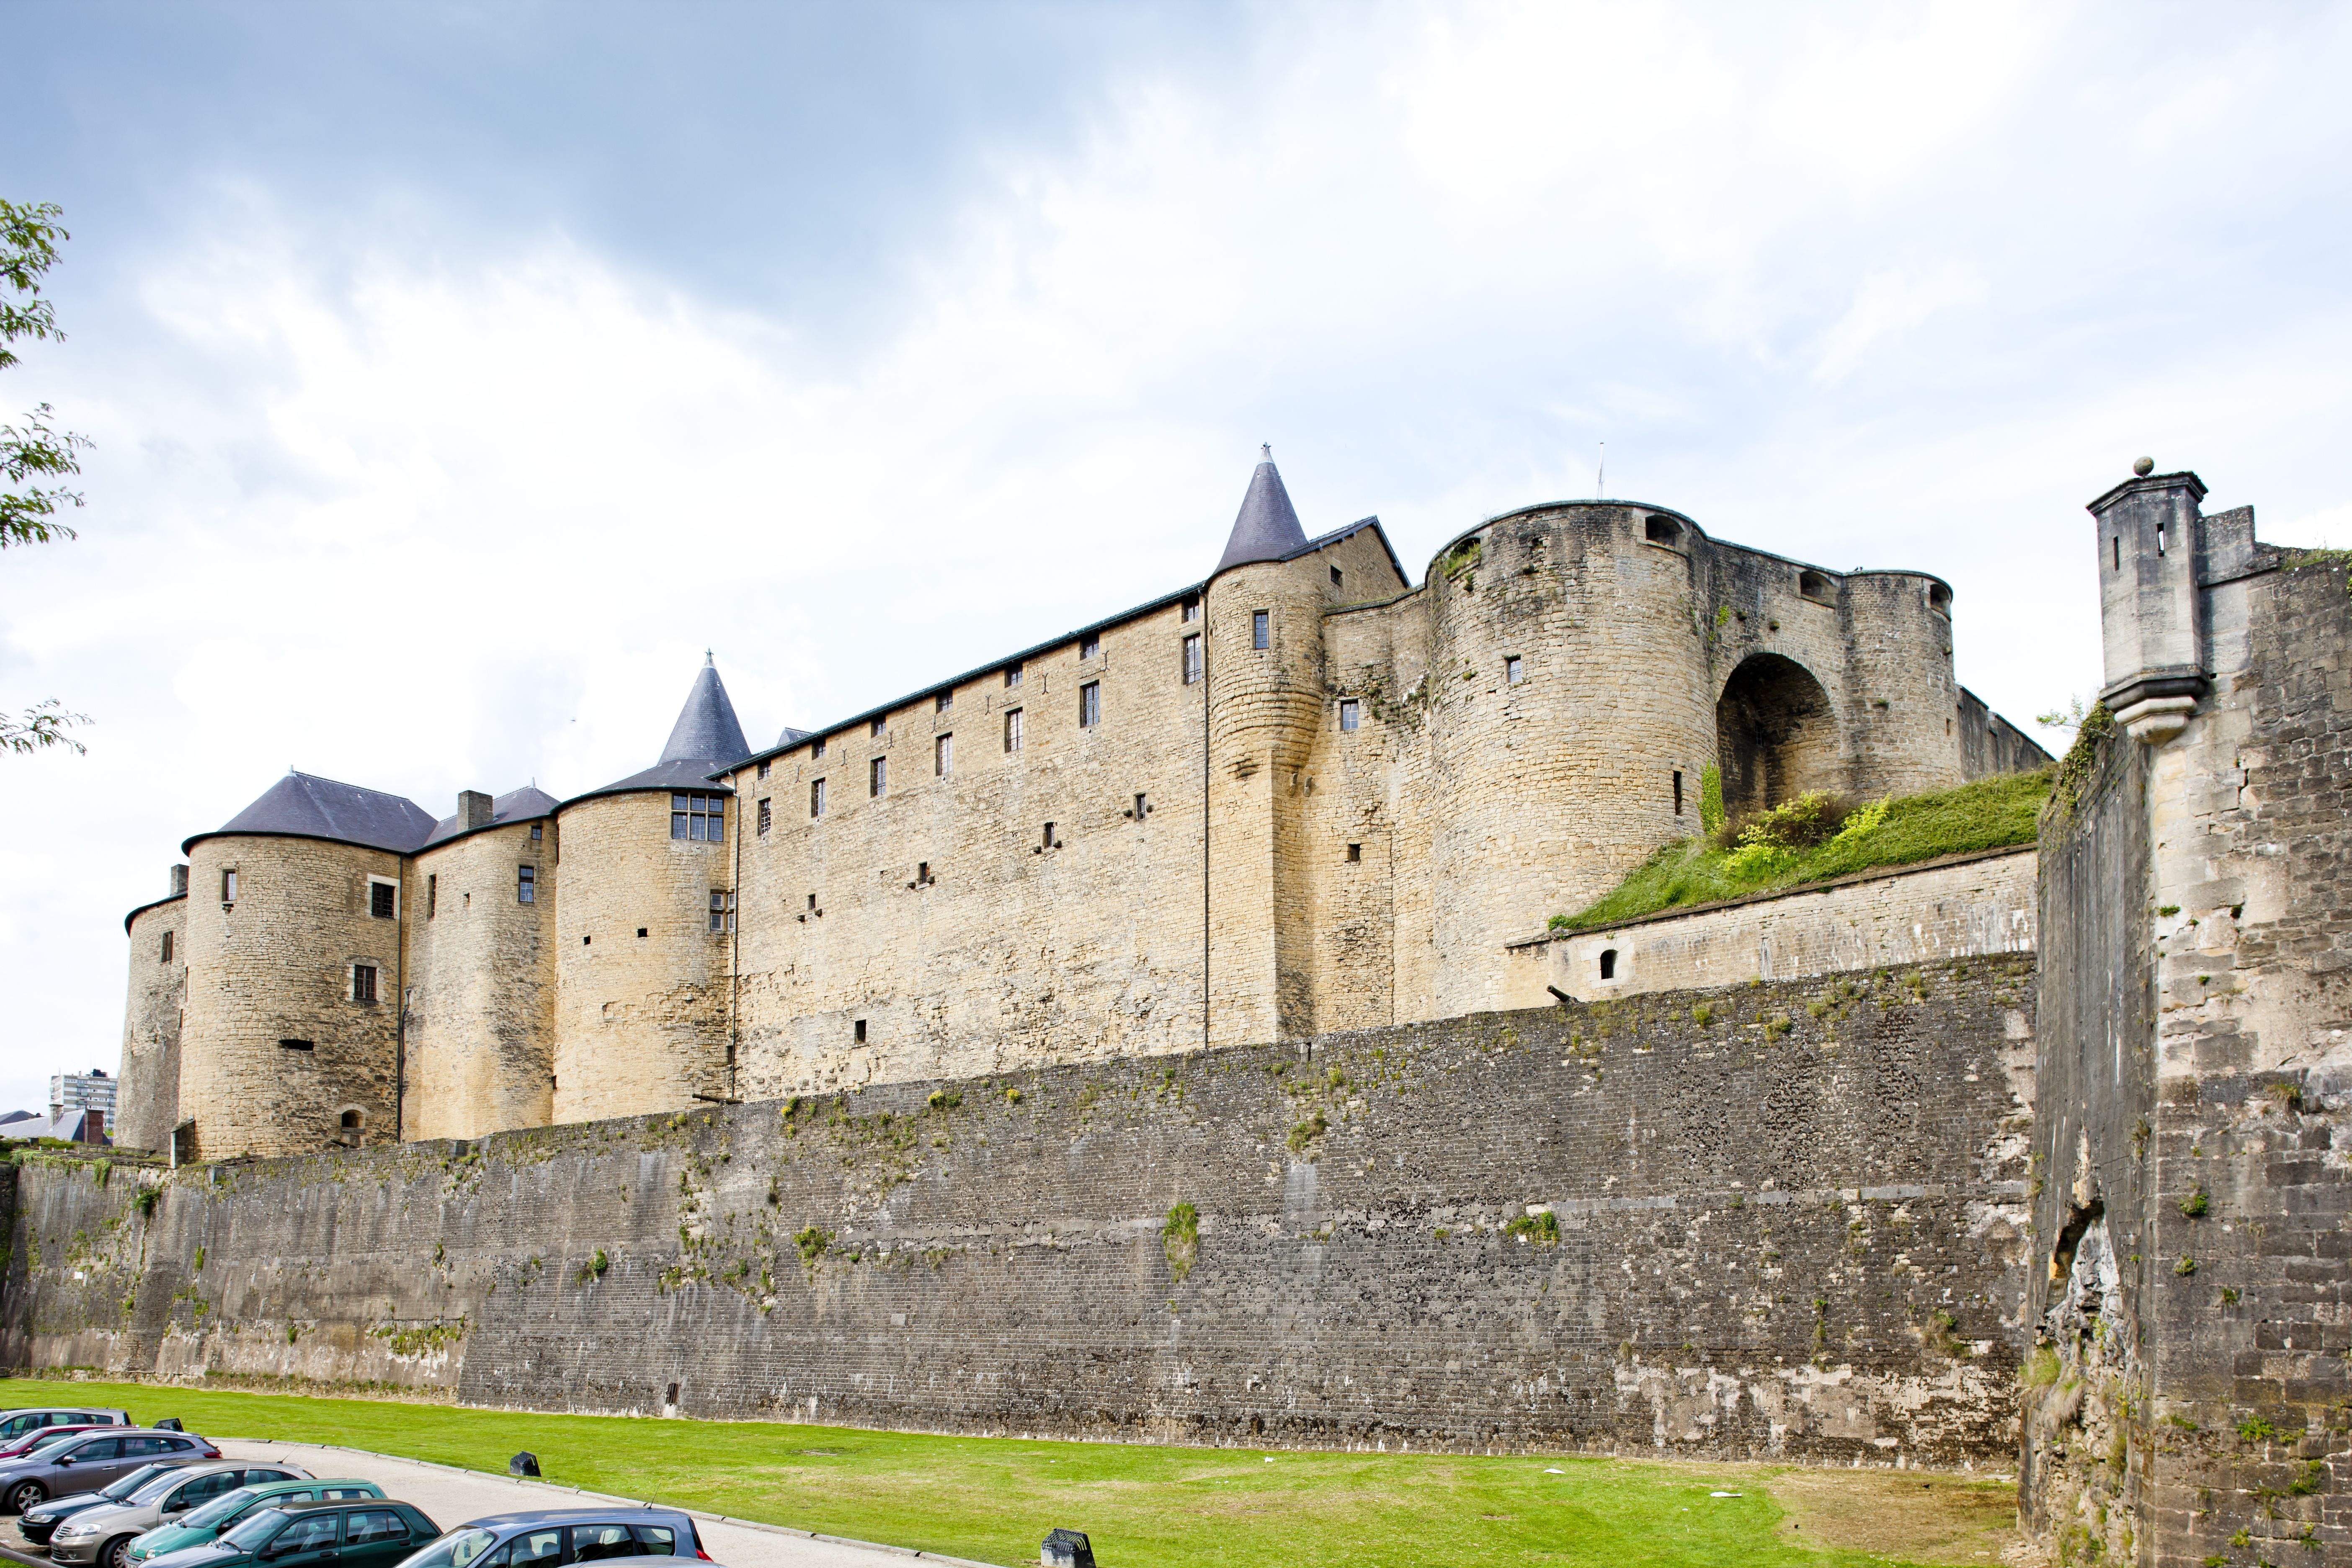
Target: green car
[(203, 1524), (364, 1533)]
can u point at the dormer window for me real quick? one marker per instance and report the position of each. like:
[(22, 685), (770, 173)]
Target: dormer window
[(1814, 586), (1191, 609), (699, 817), (875, 727), (816, 750), (1939, 598), (1012, 675), (1662, 531), (1090, 645)]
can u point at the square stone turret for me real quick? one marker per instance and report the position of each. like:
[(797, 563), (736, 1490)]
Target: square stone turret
[(2150, 530)]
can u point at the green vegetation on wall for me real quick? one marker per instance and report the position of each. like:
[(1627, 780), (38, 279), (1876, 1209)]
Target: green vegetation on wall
[(1815, 837)]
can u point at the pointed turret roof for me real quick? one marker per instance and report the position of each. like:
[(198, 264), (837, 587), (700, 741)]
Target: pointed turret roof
[(706, 740), (1266, 527), (300, 805)]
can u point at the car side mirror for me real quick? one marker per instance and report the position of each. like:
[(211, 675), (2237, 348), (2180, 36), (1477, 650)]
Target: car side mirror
[(65, 1459)]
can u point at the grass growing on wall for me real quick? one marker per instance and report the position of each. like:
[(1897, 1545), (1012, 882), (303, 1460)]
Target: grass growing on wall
[(1989, 814), (993, 1500)]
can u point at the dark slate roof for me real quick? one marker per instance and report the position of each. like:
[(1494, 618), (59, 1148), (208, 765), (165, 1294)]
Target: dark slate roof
[(130, 919), (1266, 527), (705, 731), (662, 775), (792, 737), (515, 805), (301, 806)]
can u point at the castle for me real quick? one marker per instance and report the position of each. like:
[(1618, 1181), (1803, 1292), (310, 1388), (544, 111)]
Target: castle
[(1303, 795)]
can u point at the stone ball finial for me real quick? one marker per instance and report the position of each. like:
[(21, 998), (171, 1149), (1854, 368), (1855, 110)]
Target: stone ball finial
[(2144, 467)]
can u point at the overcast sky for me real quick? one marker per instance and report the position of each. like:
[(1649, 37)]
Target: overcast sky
[(458, 374)]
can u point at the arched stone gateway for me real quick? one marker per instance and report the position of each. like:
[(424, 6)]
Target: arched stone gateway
[(1775, 736)]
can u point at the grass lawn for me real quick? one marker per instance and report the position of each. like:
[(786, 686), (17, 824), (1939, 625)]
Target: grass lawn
[(1147, 1506), (1991, 814)]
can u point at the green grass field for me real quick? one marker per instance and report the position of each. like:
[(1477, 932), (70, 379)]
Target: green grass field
[(1150, 1507), (1989, 814)]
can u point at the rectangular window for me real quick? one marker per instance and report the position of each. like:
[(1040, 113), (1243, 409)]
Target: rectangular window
[(816, 797), (767, 816), (1090, 645), (858, 1032), (433, 893), (1259, 627), (922, 873), (167, 947), (229, 887), (526, 884), (816, 750), (1090, 705), (1355, 853), (722, 914), (536, 829), (1142, 806), (1049, 837), (384, 900), (1335, 576), (812, 903), (763, 770), (943, 756), (875, 727), (946, 702), (700, 817), (1515, 669), (1192, 609), (1192, 658), (877, 775), (1012, 730), (1351, 713), (362, 981), (1678, 792), (1012, 675)]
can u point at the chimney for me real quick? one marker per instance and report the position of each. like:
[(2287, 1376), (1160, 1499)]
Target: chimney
[(473, 809), (179, 881), (2150, 537)]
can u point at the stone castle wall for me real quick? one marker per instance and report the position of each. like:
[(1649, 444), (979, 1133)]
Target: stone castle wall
[(1771, 1220), (480, 988), (149, 1100)]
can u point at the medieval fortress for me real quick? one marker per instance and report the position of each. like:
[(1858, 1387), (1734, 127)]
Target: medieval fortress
[(1302, 796)]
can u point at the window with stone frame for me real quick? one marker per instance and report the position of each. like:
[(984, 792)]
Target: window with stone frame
[(816, 798), (767, 815), (363, 983), (1192, 658), (699, 817), (722, 914), (1351, 713), (1012, 728), (167, 947), (1261, 628), (877, 777), (526, 884), (1090, 705), (384, 899), (943, 756)]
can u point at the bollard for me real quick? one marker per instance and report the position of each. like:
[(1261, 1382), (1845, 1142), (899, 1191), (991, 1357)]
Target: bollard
[(523, 1463), (1067, 1549)]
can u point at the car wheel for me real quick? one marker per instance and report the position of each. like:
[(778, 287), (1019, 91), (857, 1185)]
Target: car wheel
[(25, 1495), (115, 1553)]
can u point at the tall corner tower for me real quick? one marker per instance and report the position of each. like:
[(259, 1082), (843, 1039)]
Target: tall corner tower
[(2148, 536)]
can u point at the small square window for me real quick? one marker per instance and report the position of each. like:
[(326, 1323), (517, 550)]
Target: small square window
[(1012, 730), (526, 884), (1090, 645), (537, 830), (878, 776), (767, 815), (1260, 630), (875, 727), (722, 914), (1191, 609), (384, 900), (943, 756), (816, 797), (946, 702), (362, 981), (167, 947), (1355, 853), (1090, 705), (1192, 658), (1335, 576), (1515, 669), (763, 770), (1351, 713), (1012, 675)]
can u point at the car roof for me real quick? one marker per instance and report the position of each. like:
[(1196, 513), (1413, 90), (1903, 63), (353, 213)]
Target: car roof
[(266, 1488), (58, 1410), (332, 1502), (566, 1515)]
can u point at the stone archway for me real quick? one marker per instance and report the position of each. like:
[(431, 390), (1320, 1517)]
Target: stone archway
[(1774, 734)]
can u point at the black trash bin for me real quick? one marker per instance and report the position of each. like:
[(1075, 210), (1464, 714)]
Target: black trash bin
[(523, 1463), (1068, 1548)]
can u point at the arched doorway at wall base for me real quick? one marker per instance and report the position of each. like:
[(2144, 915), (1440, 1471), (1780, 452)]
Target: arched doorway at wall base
[(1774, 735)]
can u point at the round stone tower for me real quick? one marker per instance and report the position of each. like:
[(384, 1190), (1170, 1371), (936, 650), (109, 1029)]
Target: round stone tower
[(646, 930)]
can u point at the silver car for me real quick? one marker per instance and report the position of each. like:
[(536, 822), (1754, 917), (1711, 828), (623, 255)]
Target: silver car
[(17, 1423), (103, 1535)]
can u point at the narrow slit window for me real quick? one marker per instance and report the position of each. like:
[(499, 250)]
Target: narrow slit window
[(1678, 792), (1049, 837), (1090, 645), (1515, 669), (1090, 705), (878, 776), (2118, 542), (1351, 713), (1142, 806), (858, 1032), (922, 873), (816, 797), (1260, 627), (1335, 576), (167, 947), (767, 815), (1192, 658), (1608, 964), (1012, 730), (362, 981), (433, 890), (699, 817), (526, 884), (812, 903), (943, 756), (229, 887)]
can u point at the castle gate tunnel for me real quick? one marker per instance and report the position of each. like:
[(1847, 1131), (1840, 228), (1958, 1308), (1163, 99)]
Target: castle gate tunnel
[(1774, 735)]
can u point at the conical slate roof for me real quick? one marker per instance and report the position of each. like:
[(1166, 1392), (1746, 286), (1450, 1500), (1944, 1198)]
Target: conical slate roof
[(705, 731), (1267, 526), (302, 807)]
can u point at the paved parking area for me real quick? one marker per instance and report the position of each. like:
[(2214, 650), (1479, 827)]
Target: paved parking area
[(454, 1496)]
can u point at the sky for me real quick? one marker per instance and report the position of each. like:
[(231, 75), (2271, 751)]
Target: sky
[(458, 374)]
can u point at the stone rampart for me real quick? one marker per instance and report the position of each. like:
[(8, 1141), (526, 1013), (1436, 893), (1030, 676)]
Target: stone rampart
[(1777, 1219)]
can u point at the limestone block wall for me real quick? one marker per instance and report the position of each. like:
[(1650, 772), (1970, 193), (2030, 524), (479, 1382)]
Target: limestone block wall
[(643, 985), (149, 1100), (1965, 907), (277, 965), (480, 995), (1600, 1227), (1901, 700)]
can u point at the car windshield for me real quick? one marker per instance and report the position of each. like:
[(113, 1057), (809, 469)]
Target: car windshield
[(453, 1550), (58, 1436), (222, 1507), (125, 1489), (256, 1531)]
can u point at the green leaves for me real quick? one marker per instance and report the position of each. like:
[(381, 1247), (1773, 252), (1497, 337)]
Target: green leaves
[(35, 450)]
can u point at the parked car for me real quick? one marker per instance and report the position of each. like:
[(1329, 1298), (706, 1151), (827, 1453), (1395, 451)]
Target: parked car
[(103, 1535), (90, 1462), (373, 1532), (40, 1521), (547, 1537), (40, 1437), (197, 1528), (17, 1423)]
